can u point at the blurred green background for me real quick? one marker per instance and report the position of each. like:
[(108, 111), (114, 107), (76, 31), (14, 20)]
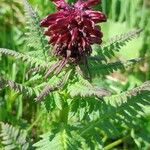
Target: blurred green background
[(123, 16)]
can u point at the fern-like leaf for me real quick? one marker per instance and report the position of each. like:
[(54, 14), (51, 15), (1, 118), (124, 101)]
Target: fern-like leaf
[(84, 88), (35, 36), (50, 88), (59, 141), (24, 57), (13, 138), (98, 69), (128, 94), (120, 111), (19, 88), (60, 137), (115, 44)]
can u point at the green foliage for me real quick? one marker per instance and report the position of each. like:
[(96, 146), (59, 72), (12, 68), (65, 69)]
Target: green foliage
[(13, 138), (19, 88), (49, 87), (84, 88), (76, 112), (59, 140), (33, 61), (117, 113), (98, 69), (35, 38), (115, 44)]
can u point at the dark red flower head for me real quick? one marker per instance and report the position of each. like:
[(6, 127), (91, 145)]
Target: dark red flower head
[(72, 30)]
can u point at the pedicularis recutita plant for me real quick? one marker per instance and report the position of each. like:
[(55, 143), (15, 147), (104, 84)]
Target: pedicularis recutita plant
[(60, 75)]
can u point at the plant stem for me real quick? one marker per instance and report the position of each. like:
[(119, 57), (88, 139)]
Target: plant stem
[(115, 143), (34, 123), (64, 114)]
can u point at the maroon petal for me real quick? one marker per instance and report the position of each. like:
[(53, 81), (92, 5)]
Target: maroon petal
[(50, 19), (83, 42), (63, 21), (53, 39), (60, 4), (64, 38), (88, 23), (56, 27), (94, 39), (74, 34), (80, 4), (94, 32), (96, 16), (91, 3)]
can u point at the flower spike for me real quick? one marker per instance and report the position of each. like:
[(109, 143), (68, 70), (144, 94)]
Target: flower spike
[(73, 29)]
